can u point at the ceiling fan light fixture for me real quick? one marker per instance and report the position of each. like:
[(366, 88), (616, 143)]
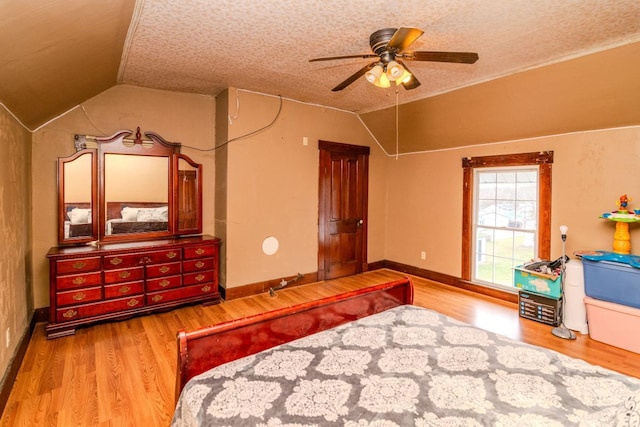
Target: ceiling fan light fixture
[(406, 76), (395, 70), (373, 75), (383, 81)]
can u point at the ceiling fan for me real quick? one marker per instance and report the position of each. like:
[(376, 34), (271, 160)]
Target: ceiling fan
[(388, 45)]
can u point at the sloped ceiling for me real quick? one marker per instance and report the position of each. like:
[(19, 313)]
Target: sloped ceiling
[(57, 54), (597, 91)]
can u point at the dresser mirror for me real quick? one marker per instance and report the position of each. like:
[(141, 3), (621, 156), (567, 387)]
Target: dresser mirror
[(189, 197), (77, 219), (120, 188)]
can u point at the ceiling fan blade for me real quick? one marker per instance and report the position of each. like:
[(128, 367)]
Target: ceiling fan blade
[(458, 57), (413, 81), (331, 58), (403, 37), (355, 76)]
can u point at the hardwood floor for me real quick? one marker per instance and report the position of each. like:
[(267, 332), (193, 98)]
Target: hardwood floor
[(123, 373)]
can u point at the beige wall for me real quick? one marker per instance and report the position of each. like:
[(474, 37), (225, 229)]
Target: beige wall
[(16, 305), (590, 171), (272, 185), (267, 183), (177, 117)]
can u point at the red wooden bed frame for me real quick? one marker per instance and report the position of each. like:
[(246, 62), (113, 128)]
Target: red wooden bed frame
[(206, 348)]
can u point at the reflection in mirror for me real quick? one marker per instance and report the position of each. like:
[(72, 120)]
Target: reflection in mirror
[(189, 182), (77, 197), (136, 194)]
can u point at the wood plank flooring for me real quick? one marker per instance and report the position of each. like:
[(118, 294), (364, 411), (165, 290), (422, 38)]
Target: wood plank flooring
[(123, 373)]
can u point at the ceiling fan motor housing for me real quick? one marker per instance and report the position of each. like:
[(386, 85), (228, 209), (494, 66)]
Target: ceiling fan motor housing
[(378, 42)]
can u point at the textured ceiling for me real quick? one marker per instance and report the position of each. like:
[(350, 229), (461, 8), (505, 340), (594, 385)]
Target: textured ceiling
[(205, 46), (57, 54)]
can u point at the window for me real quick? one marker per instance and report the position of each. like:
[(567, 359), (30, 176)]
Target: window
[(505, 222), (506, 214)]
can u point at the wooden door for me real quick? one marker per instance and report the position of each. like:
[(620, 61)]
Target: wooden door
[(342, 209)]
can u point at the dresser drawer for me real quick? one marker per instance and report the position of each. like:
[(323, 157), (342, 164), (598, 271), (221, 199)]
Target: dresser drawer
[(123, 275), (197, 277), (119, 290), (156, 257), (180, 293), (122, 261), (167, 269), (78, 281), (79, 296), (141, 258), (99, 308), (198, 264), (201, 251), (163, 283), (78, 265)]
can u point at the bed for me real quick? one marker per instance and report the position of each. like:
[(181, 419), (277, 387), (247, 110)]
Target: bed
[(136, 217), (77, 221), (371, 358)]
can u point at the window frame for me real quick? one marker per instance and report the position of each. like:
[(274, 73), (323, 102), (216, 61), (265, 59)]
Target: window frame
[(544, 161)]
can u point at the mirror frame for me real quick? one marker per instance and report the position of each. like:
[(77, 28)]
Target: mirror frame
[(121, 143), (197, 196), (62, 212)]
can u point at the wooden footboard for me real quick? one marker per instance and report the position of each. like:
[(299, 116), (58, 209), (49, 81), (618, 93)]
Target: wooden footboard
[(206, 348)]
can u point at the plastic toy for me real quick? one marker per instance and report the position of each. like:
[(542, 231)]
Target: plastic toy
[(622, 217)]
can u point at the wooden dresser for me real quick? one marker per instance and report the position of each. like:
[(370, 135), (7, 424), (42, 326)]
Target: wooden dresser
[(118, 280)]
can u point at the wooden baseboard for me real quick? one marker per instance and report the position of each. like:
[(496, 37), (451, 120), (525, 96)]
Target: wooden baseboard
[(16, 362), (260, 287), (452, 281), (41, 315)]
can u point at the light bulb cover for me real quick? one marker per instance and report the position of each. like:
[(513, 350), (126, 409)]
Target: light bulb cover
[(563, 230), (394, 70), (373, 75), (406, 76)]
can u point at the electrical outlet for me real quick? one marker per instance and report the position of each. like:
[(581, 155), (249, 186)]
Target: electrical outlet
[(305, 140), (8, 338), (423, 255)]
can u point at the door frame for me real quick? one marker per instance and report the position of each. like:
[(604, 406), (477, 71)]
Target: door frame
[(326, 148)]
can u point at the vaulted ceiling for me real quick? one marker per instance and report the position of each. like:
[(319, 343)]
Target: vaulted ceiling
[(57, 54)]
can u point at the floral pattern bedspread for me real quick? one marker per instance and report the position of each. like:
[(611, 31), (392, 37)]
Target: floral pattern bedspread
[(408, 366)]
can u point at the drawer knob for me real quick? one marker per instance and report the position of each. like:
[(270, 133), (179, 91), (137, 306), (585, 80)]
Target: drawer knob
[(132, 302), (200, 277), (124, 289), (69, 314), (172, 255), (156, 298), (116, 261), (79, 296), (124, 274), (79, 280), (199, 251), (199, 264), (79, 264), (164, 283), (205, 288), (164, 269)]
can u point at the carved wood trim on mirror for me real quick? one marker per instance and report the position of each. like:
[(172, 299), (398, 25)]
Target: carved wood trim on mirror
[(119, 188)]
